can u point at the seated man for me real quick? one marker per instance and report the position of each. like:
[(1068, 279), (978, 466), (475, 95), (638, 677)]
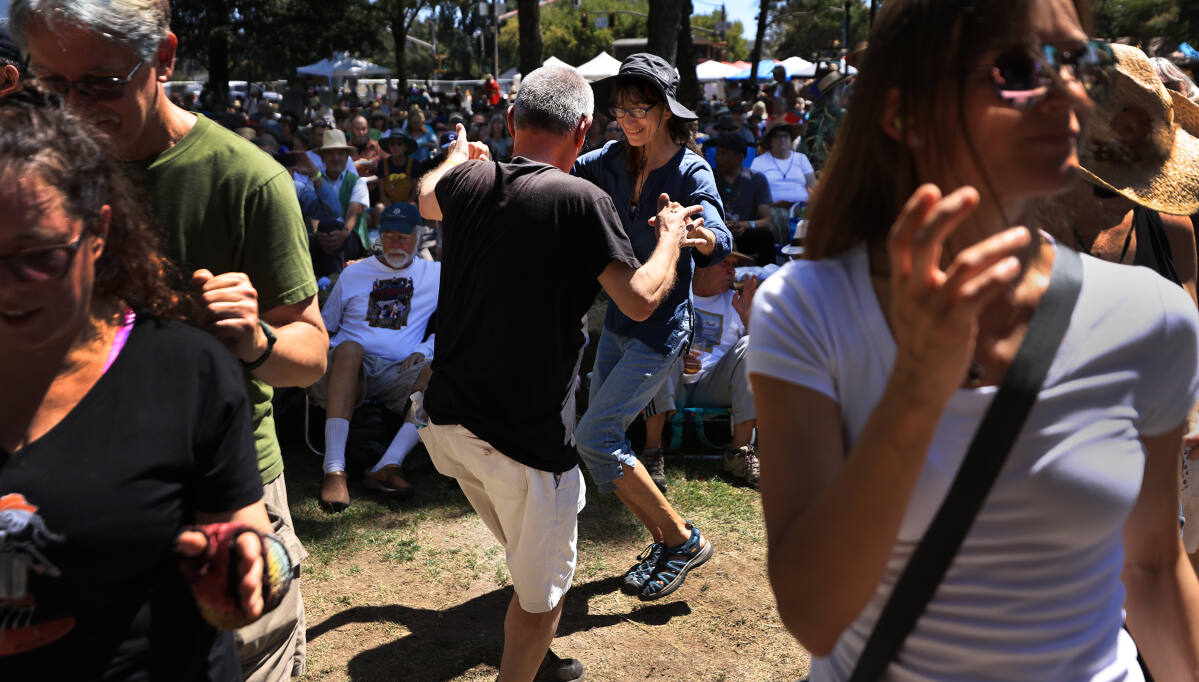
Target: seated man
[(378, 315), (713, 371), (746, 196), (342, 232)]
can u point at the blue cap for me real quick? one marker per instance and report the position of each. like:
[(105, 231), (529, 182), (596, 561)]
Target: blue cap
[(400, 217), (448, 138)]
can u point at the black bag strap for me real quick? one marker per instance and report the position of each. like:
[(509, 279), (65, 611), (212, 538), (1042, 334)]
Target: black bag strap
[(988, 451)]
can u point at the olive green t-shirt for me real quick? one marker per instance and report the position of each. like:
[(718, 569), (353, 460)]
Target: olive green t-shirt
[(226, 206)]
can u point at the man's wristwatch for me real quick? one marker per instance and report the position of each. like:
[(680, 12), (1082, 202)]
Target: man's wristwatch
[(266, 354)]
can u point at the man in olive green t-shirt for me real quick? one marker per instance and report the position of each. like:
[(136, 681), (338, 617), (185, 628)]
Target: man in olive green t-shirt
[(229, 215)]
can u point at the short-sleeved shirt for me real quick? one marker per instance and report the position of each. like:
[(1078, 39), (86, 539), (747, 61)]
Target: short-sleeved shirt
[(687, 179), (744, 194), (386, 311), (523, 246), (90, 510), (224, 205), (787, 178), (1035, 589)]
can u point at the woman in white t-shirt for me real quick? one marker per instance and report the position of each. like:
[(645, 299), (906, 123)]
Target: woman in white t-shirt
[(788, 172), (872, 367)]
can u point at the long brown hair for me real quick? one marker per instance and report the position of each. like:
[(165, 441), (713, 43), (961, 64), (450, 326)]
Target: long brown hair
[(40, 138), (925, 50), (676, 127)]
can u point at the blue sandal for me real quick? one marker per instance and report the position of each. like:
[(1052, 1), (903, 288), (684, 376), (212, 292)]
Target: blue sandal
[(674, 564), (636, 577)]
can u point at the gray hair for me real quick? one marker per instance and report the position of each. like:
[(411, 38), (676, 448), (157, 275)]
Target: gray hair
[(140, 25), (1170, 74), (553, 99)]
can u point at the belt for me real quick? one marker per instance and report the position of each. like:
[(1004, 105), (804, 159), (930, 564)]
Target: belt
[(782, 204)]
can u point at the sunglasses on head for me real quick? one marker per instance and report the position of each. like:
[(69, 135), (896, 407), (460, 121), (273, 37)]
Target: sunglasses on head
[(1024, 76), (101, 89)]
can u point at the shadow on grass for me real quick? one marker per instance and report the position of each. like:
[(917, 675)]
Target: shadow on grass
[(443, 645)]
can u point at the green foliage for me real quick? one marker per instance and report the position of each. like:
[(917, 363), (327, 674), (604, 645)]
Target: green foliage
[(807, 26), (1144, 19), (738, 46)]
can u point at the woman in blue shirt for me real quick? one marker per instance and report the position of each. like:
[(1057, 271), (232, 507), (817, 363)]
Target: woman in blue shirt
[(633, 359)]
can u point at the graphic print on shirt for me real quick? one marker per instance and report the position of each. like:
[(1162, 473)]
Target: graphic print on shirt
[(390, 303), (24, 539), (709, 327)]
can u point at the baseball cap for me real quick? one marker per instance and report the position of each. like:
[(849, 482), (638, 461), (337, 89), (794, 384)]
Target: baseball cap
[(731, 142), (447, 138), (9, 51), (400, 217)]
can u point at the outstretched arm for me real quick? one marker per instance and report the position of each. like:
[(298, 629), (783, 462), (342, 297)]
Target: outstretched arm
[(461, 151)]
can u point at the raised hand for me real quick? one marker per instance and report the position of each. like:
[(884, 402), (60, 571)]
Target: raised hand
[(230, 312), (675, 221), (934, 312), (743, 300)]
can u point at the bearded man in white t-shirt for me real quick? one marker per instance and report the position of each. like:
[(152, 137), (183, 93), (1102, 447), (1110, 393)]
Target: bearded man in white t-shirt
[(712, 373), (381, 347)]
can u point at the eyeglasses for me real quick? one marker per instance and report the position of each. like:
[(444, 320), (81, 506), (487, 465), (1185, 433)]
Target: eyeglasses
[(635, 112), (98, 89), (44, 263), (1024, 76)]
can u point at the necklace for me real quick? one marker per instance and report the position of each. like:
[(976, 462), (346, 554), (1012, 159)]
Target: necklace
[(780, 168)]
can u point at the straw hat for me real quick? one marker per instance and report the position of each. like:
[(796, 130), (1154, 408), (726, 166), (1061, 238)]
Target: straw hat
[(1143, 141), (334, 140), (777, 125)]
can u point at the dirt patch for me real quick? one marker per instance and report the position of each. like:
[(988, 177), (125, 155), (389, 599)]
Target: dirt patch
[(420, 593)]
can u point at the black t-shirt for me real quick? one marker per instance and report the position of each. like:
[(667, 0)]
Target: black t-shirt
[(523, 244), (89, 513)]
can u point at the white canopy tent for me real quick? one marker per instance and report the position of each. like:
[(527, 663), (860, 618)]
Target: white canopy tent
[(554, 61), (798, 66), (713, 70), (341, 66), (602, 66)]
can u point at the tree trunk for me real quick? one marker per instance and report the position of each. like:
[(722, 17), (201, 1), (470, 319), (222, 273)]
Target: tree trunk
[(662, 27), (218, 70), (755, 55), (529, 18), (399, 31), (689, 93)]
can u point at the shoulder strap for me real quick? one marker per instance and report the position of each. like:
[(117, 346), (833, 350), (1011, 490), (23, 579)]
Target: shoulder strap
[(988, 451)]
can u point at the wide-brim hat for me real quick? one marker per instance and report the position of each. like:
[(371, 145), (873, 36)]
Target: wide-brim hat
[(739, 259), (397, 134), (644, 68), (775, 126), (1142, 141), (334, 140)]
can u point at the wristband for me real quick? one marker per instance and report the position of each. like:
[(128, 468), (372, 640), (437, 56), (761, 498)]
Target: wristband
[(212, 575), (266, 354)]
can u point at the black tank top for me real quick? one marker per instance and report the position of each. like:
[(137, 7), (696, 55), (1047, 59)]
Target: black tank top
[(1153, 249)]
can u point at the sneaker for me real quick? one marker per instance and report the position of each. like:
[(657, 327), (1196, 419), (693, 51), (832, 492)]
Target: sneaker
[(335, 496), (554, 669), (655, 466), (674, 565), (634, 579), (388, 481), (743, 463)]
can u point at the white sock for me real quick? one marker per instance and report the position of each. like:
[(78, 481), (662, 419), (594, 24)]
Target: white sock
[(406, 438), (337, 432)]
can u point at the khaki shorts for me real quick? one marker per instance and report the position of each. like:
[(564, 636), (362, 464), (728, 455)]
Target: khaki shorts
[(533, 513), (378, 379)]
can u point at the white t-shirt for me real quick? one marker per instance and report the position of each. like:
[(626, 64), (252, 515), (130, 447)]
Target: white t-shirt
[(1035, 592), (787, 178), (384, 310), (717, 327)]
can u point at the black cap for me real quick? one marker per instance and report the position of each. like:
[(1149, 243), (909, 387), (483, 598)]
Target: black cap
[(733, 143), (725, 122), (647, 68)]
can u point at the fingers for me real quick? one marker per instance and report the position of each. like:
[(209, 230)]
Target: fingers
[(190, 543), (201, 277), (694, 242), (903, 230), (249, 587), (983, 262), (944, 217), (663, 201)]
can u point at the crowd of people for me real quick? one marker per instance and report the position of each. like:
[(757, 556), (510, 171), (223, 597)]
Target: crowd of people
[(978, 430)]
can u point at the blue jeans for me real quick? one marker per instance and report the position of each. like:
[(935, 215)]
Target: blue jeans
[(627, 376)]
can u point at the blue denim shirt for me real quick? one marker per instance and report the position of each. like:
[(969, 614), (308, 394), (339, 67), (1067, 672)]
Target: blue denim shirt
[(687, 179)]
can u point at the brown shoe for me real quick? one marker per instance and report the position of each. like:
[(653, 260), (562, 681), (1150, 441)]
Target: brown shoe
[(388, 481), (335, 496)]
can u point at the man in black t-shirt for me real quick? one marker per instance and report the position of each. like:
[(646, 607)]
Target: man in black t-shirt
[(501, 400)]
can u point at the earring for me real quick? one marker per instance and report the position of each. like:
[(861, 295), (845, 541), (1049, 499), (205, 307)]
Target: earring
[(897, 122)]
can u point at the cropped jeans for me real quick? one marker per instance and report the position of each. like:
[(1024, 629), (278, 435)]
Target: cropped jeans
[(627, 376)]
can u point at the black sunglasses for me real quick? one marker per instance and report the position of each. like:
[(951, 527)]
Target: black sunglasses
[(100, 89), (1024, 76), (44, 263)]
